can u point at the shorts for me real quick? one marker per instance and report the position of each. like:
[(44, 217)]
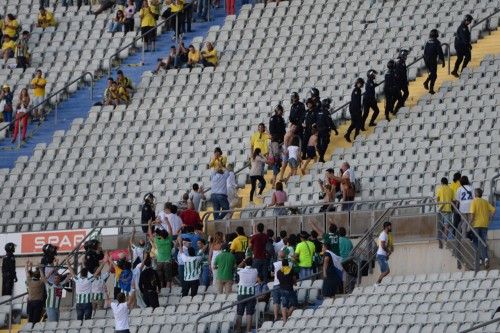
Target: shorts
[(284, 158), (247, 308), (293, 163), (165, 271), (150, 37), (276, 295), (311, 152), (382, 261), (288, 298)]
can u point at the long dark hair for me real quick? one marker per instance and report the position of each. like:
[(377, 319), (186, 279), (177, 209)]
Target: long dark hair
[(256, 152)]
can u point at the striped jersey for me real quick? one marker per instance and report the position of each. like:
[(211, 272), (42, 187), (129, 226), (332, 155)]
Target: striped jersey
[(248, 279), (204, 257), (99, 286), (83, 286), (54, 294), (192, 267)]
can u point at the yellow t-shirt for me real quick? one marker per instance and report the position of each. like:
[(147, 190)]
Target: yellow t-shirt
[(239, 244), (47, 20), (147, 20), (218, 163), (260, 140), (10, 28), (9, 45), (122, 92), (194, 57), (481, 210), (39, 89), (454, 187), (211, 56), (174, 8), (305, 250), (445, 194)]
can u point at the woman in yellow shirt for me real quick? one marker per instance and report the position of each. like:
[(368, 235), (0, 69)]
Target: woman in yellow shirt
[(45, 19), (209, 56), (194, 56), (218, 161), (148, 15), (8, 48), (10, 26)]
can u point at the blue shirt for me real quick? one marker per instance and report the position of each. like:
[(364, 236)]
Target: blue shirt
[(193, 238), (219, 182)]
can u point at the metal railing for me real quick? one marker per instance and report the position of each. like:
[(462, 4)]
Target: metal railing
[(493, 187), (235, 303), (486, 323), (133, 42), (364, 253), (75, 254), (47, 101), (94, 223)]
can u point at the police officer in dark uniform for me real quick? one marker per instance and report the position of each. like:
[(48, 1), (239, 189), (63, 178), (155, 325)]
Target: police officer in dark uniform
[(355, 109), (463, 45), (309, 121), (314, 94), (277, 126), (148, 211), (402, 79), (297, 111), (391, 88), (93, 255), (325, 125), (9, 276), (369, 99), (432, 52)]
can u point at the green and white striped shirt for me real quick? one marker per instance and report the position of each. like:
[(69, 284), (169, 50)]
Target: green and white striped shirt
[(192, 267), (248, 279), (83, 288), (54, 294)]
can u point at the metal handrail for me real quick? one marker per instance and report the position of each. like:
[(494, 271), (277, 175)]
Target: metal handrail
[(236, 173), (235, 303), (132, 43), (205, 216), (92, 220), (486, 323), (47, 99), (493, 187)]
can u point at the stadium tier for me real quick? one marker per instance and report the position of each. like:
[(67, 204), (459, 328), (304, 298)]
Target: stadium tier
[(109, 160)]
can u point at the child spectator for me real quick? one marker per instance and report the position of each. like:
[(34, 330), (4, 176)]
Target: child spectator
[(278, 200), (45, 19), (260, 288), (294, 156), (194, 57), (6, 97), (311, 148), (22, 50), (209, 56), (118, 22)]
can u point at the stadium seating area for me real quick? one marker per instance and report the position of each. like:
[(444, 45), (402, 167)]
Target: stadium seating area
[(106, 162)]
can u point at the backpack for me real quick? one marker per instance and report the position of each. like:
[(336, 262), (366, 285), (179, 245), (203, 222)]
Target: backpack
[(125, 280)]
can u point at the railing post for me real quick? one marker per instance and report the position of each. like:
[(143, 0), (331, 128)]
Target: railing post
[(10, 315), (55, 114), (449, 57), (142, 53), (20, 128), (176, 27)]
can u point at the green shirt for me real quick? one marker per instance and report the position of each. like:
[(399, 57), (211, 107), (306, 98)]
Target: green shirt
[(305, 251), (333, 240), (345, 246), (225, 263), (164, 249)]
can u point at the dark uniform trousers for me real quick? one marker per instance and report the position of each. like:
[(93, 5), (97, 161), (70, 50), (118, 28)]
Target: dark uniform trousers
[(369, 103)]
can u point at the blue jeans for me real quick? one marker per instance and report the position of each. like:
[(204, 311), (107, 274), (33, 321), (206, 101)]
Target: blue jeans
[(382, 261), (202, 9), (219, 202), (115, 27), (261, 266), (180, 272), (7, 117), (305, 272), (83, 311), (205, 277), (483, 250), (52, 314)]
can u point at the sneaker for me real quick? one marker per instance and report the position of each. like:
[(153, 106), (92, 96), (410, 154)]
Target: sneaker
[(363, 129), (347, 138), (432, 92), (455, 74), (426, 85)]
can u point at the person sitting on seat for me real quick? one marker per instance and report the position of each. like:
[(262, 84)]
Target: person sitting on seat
[(116, 95), (124, 81), (8, 49), (45, 19), (209, 56), (194, 56), (168, 62)]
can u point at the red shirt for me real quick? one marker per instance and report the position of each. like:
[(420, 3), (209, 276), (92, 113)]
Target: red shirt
[(190, 217), (259, 242)]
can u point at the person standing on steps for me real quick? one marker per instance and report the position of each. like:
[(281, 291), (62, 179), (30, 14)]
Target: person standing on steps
[(309, 121), (463, 45), (370, 100), (257, 172), (325, 125), (402, 80), (390, 89), (355, 110), (384, 252), (296, 117), (432, 52), (277, 126)]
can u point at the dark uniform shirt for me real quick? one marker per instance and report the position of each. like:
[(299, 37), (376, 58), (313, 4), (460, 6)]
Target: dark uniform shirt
[(401, 74), (149, 280), (369, 90), (324, 121), (309, 119), (147, 214), (433, 51), (462, 37), (277, 128), (355, 104), (390, 83), (297, 113), (9, 266)]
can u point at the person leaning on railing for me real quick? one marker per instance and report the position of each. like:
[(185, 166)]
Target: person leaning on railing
[(481, 211)]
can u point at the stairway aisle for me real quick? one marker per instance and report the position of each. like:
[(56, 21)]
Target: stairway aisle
[(78, 104), (487, 45)]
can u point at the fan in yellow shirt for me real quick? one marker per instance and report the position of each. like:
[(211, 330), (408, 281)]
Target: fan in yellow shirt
[(46, 19), (194, 56), (481, 211), (38, 84), (444, 194), (209, 56), (8, 48), (10, 26), (148, 15), (456, 182), (175, 5), (260, 139)]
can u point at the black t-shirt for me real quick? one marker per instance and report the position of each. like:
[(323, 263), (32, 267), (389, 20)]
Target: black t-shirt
[(286, 280), (147, 214)]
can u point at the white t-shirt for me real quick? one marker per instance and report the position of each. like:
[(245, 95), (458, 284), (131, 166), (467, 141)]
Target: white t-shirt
[(195, 197), (83, 285), (99, 283), (293, 152), (120, 312), (174, 220), (382, 238), (248, 277), (277, 266), (278, 246), (464, 196), (136, 273), (137, 251)]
